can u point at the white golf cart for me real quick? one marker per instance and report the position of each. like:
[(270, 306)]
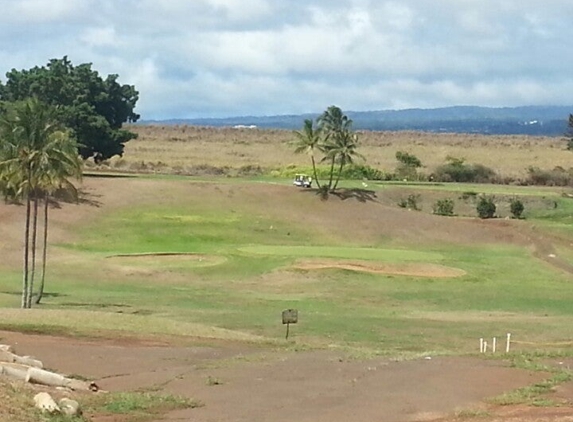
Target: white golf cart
[(302, 181)]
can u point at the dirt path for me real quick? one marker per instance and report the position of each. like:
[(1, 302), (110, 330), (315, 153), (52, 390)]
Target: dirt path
[(238, 383)]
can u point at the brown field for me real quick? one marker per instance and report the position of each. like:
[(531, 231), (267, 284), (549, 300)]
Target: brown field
[(186, 148), (256, 383), (261, 383)]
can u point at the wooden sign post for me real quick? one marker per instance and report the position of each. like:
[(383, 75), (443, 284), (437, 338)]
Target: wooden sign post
[(290, 316)]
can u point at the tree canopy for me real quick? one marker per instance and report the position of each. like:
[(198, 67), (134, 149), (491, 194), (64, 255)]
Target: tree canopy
[(93, 108), (333, 137)]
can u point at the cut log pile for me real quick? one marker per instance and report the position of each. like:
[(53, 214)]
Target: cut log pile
[(30, 370)]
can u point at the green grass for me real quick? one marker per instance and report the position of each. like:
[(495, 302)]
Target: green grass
[(533, 395), (137, 405), (374, 254), (240, 295)]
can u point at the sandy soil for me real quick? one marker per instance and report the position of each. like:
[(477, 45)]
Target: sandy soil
[(416, 269), (261, 385)]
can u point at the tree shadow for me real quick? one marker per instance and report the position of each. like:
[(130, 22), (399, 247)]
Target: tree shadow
[(108, 175), (45, 295), (86, 198), (361, 195)]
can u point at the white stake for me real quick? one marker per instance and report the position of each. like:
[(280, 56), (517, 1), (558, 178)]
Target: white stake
[(481, 345), (508, 341), (494, 344), (485, 346)]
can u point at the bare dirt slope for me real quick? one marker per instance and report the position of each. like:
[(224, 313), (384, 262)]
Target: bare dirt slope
[(236, 383)]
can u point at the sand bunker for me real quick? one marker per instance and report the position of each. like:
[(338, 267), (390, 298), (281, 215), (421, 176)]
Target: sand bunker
[(170, 257), (410, 269)]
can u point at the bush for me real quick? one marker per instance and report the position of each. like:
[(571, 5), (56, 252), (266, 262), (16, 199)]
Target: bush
[(444, 207), (410, 203), (350, 172), (456, 170), (556, 177), (486, 207), (408, 165), (362, 171), (468, 195), (409, 160), (516, 208)]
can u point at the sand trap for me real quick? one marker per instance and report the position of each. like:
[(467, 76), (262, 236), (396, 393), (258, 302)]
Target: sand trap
[(170, 257), (410, 269)]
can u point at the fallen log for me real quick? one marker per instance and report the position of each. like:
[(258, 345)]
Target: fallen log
[(6, 356), (28, 360), (40, 376), (76, 385), (13, 370)]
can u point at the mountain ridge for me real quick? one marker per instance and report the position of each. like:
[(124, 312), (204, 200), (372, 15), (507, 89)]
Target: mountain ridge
[(523, 120)]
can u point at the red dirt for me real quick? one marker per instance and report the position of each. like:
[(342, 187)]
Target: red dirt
[(261, 385)]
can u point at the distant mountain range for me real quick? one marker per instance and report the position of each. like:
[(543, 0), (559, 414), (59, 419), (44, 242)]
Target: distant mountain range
[(529, 120)]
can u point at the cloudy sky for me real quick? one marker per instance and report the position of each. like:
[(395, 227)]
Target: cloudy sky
[(215, 58)]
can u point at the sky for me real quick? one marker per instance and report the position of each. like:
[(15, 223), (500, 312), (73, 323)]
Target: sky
[(220, 58)]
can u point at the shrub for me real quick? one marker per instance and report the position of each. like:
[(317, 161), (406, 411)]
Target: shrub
[(486, 207), (409, 163), (444, 207), (456, 170), (516, 208), (409, 160), (350, 172), (556, 177), (410, 203), (468, 195), (362, 171)]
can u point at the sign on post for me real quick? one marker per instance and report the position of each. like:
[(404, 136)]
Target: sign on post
[(290, 316)]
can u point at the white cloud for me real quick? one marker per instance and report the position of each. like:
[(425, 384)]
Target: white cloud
[(40, 11), (100, 37), (221, 57)]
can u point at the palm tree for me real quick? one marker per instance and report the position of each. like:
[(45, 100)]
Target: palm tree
[(15, 172), (309, 139), (345, 151), (60, 162), (33, 148), (337, 128)]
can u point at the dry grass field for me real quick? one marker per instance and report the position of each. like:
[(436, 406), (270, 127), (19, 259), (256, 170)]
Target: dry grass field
[(175, 285), (187, 148)]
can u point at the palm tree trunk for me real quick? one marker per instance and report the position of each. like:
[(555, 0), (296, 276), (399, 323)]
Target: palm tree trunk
[(331, 174), (34, 238), (44, 250), (314, 171), (338, 176), (26, 254)]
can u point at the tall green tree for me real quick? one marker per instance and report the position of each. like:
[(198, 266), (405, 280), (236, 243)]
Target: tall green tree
[(569, 133), (94, 108), (308, 141), (33, 145)]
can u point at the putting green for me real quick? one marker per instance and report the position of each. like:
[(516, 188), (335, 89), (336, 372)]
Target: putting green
[(369, 254)]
